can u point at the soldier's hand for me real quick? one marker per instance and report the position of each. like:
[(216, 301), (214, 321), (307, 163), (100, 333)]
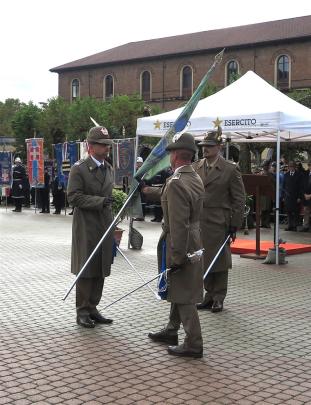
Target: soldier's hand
[(108, 201), (174, 268), (232, 232)]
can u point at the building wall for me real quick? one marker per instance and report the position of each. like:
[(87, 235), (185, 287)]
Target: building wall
[(166, 72)]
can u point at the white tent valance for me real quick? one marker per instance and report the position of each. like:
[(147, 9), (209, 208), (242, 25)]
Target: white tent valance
[(250, 109)]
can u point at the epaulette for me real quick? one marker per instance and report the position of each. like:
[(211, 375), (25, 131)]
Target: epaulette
[(176, 176), (79, 162)]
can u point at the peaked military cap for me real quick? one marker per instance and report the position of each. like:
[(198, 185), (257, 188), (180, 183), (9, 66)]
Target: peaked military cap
[(184, 141), (99, 135), (212, 138)]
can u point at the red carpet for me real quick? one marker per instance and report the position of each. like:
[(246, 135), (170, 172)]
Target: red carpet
[(242, 246)]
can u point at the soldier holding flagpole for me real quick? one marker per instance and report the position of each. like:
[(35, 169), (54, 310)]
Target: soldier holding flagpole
[(89, 191), (181, 200)]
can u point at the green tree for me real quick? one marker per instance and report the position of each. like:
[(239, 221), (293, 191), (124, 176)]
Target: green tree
[(25, 125), (8, 109), (80, 112), (123, 111), (302, 96), (54, 121)]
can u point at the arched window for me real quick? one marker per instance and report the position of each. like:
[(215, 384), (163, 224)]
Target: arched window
[(186, 82), (232, 72), (283, 72), (109, 87), (145, 85), (75, 89)]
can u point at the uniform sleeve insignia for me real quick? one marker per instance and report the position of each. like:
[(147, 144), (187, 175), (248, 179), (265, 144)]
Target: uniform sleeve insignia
[(176, 176)]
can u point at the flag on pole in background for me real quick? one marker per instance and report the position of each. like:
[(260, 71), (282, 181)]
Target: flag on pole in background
[(6, 167), (35, 162), (158, 159)]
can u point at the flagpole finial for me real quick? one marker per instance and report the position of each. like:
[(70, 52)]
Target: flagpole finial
[(219, 56)]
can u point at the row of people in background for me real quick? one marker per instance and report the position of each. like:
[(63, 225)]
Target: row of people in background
[(295, 194), (21, 190)]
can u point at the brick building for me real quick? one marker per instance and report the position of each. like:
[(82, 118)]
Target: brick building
[(165, 71)]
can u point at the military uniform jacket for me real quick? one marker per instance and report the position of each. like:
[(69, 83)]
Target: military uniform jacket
[(87, 188), (293, 190), (19, 180), (223, 205), (181, 201)]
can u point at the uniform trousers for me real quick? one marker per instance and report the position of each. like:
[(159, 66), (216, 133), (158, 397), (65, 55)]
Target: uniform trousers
[(306, 216), (88, 295), (18, 203), (187, 315), (216, 286)]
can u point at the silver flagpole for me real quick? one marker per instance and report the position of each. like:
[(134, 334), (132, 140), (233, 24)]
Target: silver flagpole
[(113, 223), (135, 289), (136, 271), (216, 257)]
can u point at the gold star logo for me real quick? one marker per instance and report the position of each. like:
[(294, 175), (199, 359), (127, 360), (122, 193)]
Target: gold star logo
[(157, 124), (217, 122)]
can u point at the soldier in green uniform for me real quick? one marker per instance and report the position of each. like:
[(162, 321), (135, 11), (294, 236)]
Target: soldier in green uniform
[(181, 201), (222, 213), (89, 192)]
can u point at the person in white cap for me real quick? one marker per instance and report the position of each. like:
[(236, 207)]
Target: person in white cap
[(18, 186)]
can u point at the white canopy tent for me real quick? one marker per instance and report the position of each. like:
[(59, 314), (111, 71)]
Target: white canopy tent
[(248, 110)]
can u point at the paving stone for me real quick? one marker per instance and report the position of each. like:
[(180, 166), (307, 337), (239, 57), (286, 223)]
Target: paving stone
[(257, 351)]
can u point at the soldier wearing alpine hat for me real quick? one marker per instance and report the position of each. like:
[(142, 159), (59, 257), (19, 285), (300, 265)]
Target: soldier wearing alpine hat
[(89, 192), (181, 201), (222, 213)]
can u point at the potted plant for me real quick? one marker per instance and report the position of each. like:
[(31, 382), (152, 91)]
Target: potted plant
[(119, 198)]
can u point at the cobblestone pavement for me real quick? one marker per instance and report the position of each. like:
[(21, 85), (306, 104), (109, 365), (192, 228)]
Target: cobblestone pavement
[(258, 350)]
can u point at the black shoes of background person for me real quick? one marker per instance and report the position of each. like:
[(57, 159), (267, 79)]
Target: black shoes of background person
[(213, 306), (217, 306), (164, 336), (16, 210), (85, 321), (56, 212), (44, 212), (183, 351), (156, 220), (98, 318), (89, 321), (205, 305), (293, 229)]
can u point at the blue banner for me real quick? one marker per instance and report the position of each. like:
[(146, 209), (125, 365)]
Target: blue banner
[(6, 163), (66, 155)]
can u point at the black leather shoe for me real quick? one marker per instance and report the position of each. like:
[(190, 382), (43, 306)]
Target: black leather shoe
[(98, 318), (85, 321), (16, 210), (156, 220), (217, 306), (164, 336), (185, 352), (205, 305)]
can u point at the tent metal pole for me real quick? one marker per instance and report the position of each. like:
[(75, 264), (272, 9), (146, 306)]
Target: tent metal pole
[(136, 153), (277, 199)]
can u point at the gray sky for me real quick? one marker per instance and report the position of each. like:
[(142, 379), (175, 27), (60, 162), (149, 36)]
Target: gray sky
[(37, 35)]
